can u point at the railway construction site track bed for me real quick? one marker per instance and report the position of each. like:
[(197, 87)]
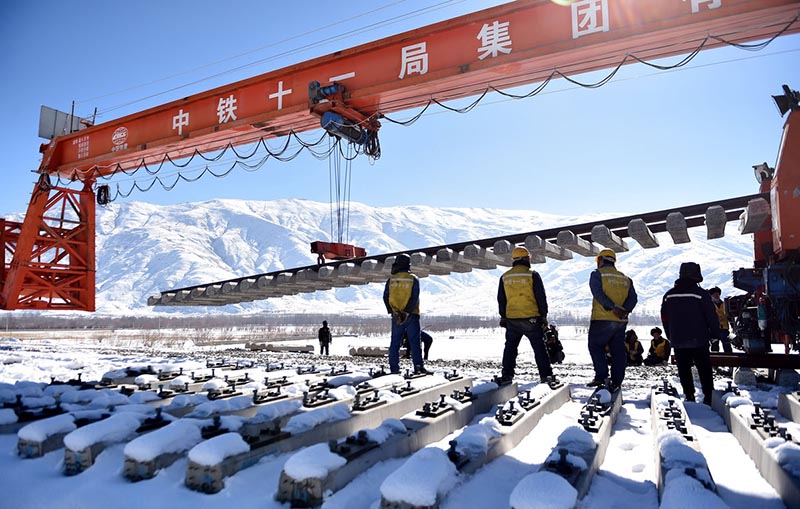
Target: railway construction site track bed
[(628, 470)]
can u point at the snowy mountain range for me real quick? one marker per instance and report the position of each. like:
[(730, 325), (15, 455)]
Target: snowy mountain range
[(143, 249)]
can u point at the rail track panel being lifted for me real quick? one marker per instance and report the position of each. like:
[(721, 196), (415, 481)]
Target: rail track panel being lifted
[(206, 470), (558, 243), (768, 444), (339, 462)]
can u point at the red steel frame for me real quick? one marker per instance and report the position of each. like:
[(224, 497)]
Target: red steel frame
[(52, 251), (52, 266)]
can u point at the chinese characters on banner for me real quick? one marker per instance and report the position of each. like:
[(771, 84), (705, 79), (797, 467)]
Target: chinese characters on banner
[(494, 40), (83, 146)]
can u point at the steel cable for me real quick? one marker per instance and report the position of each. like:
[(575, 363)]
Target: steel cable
[(372, 147)]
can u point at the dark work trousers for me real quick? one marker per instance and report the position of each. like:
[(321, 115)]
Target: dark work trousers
[(726, 343), (611, 333), (700, 358), (324, 348), (515, 329), (410, 327), (426, 341)]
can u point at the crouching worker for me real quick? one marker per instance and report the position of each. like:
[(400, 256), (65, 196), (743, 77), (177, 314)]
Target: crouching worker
[(523, 312), (426, 341), (658, 354), (634, 348), (555, 350)]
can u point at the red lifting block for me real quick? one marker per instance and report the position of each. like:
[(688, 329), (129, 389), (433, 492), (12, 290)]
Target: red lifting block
[(336, 251)]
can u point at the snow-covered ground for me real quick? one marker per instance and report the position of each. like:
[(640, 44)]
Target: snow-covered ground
[(626, 479)]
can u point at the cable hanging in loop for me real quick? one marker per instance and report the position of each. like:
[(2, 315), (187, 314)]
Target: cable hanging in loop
[(334, 150)]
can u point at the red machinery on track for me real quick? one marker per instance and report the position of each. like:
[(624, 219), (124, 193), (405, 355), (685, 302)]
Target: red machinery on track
[(770, 310)]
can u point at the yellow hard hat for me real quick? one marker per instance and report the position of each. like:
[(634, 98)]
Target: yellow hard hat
[(607, 253), (520, 252)]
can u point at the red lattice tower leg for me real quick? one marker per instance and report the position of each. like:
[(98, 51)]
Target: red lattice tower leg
[(53, 260)]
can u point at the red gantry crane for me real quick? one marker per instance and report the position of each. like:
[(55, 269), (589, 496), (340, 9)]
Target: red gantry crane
[(52, 252)]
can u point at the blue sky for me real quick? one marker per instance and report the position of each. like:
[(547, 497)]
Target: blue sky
[(649, 140)]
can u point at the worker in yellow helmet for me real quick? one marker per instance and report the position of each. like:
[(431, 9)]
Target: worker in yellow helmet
[(613, 299), (401, 297), (523, 312)]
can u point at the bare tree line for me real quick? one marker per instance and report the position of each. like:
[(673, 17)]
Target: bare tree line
[(213, 327)]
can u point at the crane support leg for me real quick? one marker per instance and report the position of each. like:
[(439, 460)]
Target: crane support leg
[(52, 252)]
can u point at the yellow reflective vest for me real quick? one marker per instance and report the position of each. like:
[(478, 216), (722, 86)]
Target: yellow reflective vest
[(660, 348), (518, 286), (616, 286), (723, 318), (400, 288)]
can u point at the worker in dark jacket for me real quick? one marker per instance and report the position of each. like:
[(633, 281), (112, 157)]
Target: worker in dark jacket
[(523, 312), (658, 354), (325, 338), (613, 299), (634, 348), (690, 323), (401, 297)]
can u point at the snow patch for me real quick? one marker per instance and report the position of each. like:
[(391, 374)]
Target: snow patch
[(388, 428), (214, 451), (543, 490), (177, 436), (306, 421), (39, 431), (677, 453), (313, 463), (788, 456), (682, 491), (220, 406), (474, 441), (277, 410), (429, 471), (576, 439), (7, 416), (116, 428)]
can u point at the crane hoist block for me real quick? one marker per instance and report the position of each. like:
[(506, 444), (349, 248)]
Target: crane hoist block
[(336, 251)]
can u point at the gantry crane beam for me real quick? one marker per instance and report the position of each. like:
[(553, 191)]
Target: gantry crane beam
[(508, 45)]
